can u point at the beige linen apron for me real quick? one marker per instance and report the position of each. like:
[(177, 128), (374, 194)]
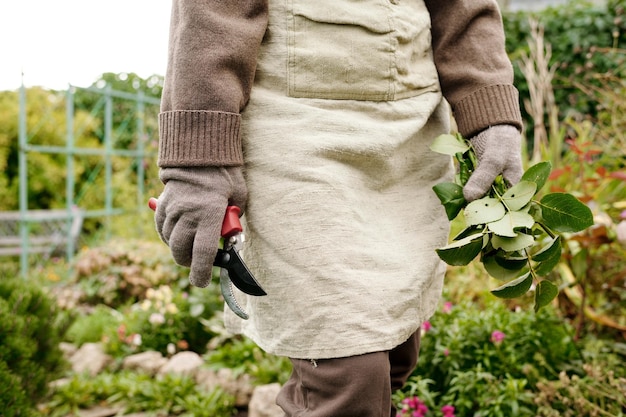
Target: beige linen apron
[(342, 223)]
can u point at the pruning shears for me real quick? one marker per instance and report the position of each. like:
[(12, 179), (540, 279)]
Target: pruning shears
[(233, 270)]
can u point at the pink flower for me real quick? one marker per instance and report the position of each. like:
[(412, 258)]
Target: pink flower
[(121, 331), (446, 352), (447, 307), (497, 336), (448, 410), (426, 326), (411, 402), (415, 406)]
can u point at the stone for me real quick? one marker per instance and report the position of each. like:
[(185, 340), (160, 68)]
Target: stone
[(68, 349), (184, 363), (239, 387), (147, 414), (245, 388), (58, 383), (90, 358), (149, 362), (263, 402), (99, 412)]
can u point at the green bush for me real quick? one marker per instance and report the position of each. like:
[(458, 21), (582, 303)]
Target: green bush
[(144, 300), (484, 361), (490, 361), (170, 395), (521, 344), (585, 39), (168, 319), (30, 357), (243, 356), (90, 328), (120, 272)]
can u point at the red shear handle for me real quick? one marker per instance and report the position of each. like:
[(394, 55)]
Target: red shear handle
[(230, 226)]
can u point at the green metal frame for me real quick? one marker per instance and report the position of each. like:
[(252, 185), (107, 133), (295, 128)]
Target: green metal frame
[(71, 152)]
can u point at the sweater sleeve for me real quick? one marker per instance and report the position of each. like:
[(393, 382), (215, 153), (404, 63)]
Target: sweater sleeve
[(213, 47), (475, 72)]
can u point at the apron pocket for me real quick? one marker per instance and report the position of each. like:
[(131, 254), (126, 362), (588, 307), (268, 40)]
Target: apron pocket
[(377, 50)]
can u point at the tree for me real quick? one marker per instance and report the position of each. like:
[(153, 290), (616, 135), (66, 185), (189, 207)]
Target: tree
[(45, 125)]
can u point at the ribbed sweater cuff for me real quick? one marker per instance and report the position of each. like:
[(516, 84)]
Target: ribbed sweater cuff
[(488, 106), (199, 138)]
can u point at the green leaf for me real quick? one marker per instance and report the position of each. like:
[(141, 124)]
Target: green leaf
[(580, 262), (462, 252), (483, 211), (508, 261), (512, 220), (563, 212), (515, 288), (538, 174), (548, 257), (543, 268), (512, 244), (472, 230), (502, 268), (534, 209), (448, 145), (519, 195), (545, 292), (548, 251), (451, 196)]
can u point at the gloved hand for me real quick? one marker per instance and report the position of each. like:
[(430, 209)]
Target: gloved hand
[(498, 150), (190, 211)]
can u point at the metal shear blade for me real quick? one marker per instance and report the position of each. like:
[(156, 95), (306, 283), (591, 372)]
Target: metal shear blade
[(235, 272), (239, 273), (226, 286)]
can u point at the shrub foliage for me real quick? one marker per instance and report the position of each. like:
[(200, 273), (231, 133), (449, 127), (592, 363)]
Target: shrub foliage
[(30, 333)]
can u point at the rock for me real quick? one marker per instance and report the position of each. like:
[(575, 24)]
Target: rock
[(241, 387), (99, 412), (149, 362), (58, 383), (263, 402), (244, 390), (68, 349), (90, 358), (209, 379), (147, 414), (183, 363)]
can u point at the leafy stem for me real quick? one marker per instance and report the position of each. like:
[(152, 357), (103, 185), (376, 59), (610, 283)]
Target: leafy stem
[(546, 229), (498, 225), (529, 259)]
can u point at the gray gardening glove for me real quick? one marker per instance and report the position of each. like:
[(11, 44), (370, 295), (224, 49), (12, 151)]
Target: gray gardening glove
[(190, 211), (498, 150)]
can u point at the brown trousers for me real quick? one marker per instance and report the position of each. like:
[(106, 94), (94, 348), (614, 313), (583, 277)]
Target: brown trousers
[(356, 386)]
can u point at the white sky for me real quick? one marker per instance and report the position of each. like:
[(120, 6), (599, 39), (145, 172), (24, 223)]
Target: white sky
[(60, 42)]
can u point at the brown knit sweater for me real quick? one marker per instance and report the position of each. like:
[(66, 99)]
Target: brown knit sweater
[(212, 60)]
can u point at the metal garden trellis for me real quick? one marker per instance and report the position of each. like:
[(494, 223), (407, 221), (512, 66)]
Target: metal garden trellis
[(107, 152)]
